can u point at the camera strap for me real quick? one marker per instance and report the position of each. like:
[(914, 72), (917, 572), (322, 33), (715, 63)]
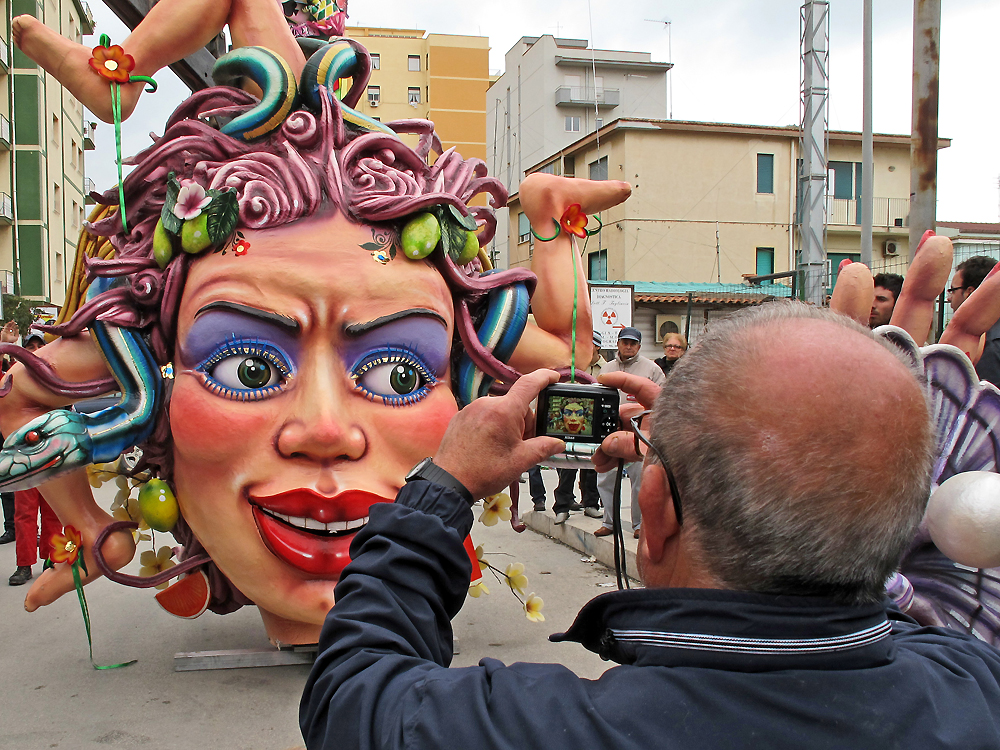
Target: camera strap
[(616, 526)]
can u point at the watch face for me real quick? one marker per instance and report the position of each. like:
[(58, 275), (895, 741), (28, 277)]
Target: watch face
[(415, 471)]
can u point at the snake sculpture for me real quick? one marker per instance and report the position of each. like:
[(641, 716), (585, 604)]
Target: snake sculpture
[(64, 440)]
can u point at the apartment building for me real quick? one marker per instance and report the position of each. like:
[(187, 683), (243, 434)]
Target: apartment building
[(555, 90), (439, 77), (714, 202), (42, 141)]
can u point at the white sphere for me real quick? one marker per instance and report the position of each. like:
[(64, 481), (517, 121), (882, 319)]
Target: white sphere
[(963, 518)]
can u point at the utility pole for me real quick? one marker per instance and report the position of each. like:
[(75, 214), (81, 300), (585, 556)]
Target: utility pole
[(815, 35), (867, 142), (924, 131)]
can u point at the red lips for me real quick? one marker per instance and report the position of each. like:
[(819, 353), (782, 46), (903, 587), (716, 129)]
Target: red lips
[(323, 553)]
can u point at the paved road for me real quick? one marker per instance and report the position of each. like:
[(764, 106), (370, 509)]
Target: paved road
[(51, 698)]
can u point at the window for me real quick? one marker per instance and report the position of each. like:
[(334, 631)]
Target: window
[(523, 228), (376, 61), (765, 173), (373, 96), (56, 199), (75, 216), (413, 63), (553, 167), (597, 266), (72, 154), (572, 124), (59, 268), (765, 263), (599, 169), (413, 94), (569, 166), (55, 128), (833, 261)]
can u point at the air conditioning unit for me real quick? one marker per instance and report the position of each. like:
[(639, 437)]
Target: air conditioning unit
[(668, 324), (372, 101), (890, 247)]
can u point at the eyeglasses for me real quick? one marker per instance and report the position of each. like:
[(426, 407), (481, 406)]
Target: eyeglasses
[(673, 346), (640, 428), (953, 289)]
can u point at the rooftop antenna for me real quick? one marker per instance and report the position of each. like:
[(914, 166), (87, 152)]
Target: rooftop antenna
[(667, 24)]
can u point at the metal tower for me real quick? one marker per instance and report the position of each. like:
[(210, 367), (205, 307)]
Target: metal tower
[(815, 42)]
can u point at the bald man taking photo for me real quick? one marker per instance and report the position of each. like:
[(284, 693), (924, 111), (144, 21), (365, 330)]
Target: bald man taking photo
[(789, 471)]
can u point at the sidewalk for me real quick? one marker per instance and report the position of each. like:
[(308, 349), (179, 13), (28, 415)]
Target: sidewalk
[(578, 531)]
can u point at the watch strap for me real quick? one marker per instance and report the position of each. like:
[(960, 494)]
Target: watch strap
[(431, 472)]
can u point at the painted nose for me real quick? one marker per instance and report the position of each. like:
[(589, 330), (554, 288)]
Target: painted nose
[(321, 426)]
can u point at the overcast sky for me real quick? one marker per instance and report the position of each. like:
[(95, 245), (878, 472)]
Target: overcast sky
[(736, 61)]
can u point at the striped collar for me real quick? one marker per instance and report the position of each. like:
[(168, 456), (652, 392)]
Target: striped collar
[(732, 630)]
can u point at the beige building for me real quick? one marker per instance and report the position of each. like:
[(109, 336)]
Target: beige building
[(715, 202), (439, 77), (43, 137)]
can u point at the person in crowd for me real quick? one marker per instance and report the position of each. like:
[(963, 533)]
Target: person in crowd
[(8, 335), (765, 549), (969, 274), (887, 289), (628, 360), (589, 496), (674, 347)]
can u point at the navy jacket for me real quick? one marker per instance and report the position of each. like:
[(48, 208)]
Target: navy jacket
[(701, 669)]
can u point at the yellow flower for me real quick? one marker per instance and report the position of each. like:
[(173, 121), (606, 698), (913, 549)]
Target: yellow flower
[(129, 511), (516, 578), (478, 588), (481, 557), (156, 562), (98, 474), (495, 508), (533, 608)]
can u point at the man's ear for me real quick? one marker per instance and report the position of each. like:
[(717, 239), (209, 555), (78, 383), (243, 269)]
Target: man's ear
[(659, 522)]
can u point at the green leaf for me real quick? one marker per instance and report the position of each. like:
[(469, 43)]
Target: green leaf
[(171, 222), (223, 213), (453, 238), (371, 246), (466, 222)]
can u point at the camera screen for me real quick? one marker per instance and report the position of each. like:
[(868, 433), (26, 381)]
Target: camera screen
[(570, 415)]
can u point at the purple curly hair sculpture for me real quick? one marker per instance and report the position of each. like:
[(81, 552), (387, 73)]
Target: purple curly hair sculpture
[(311, 161)]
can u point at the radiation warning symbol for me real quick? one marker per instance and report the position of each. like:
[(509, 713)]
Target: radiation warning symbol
[(610, 317)]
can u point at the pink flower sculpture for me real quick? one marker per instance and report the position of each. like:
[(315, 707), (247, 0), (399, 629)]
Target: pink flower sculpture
[(190, 201)]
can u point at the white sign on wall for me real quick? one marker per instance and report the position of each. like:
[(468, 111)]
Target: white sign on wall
[(612, 306)]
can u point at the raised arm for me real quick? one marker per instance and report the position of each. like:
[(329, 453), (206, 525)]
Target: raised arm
[(545, 199)]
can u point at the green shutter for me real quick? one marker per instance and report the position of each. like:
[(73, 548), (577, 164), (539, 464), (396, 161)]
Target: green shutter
[(27, 110), (29, 255), (28, 187)]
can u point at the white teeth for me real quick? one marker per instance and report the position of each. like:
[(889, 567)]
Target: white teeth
[(312, 525)]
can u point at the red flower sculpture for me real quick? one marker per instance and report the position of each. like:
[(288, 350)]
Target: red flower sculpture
[(240, 247), (66, 547), (574, 221), (112, 63)]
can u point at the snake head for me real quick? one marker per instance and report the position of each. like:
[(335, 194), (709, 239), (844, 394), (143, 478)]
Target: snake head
[(52, 444)]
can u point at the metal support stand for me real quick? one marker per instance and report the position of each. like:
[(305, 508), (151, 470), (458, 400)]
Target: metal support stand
[(240, 658)]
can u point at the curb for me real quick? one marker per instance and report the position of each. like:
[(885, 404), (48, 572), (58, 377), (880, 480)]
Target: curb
[(578, 533)]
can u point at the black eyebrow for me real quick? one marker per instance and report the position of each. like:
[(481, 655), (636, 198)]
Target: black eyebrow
[(289, 324), (356, 329)]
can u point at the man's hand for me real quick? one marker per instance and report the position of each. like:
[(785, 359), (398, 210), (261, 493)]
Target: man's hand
[(9, 333), (621, 444), (489, 444)]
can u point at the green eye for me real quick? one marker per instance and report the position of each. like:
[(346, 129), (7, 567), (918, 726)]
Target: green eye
[(395, 378), (254, 372), (404, 379)]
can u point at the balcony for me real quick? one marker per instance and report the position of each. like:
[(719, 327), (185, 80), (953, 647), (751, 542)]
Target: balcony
[(578, 96), (86, 19), (4, 133), (88, 136), (888, 212), (4, 56), (88, 188), (6, 209)]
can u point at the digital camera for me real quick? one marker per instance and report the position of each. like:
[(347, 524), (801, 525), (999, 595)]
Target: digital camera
[(580, 414)]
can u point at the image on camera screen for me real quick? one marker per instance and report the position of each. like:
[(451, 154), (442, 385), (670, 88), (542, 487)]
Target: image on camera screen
[(570, 415)]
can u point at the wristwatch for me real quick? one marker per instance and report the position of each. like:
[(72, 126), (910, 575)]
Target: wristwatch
[(427, 469)]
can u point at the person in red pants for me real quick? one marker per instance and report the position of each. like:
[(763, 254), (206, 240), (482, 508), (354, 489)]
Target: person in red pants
[(28, 545)]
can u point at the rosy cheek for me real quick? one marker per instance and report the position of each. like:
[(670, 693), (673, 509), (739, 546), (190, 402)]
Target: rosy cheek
[(417, 431), (204, 425)]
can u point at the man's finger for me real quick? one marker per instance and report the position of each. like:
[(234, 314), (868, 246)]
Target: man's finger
[(644, 389), (541, 448), (527, 387)]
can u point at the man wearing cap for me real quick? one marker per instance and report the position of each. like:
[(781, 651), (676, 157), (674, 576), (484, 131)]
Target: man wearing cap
[(589, 498), (628, 360)]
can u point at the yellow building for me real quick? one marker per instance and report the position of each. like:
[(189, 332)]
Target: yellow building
[(439, 77), (715, 202), (42, 141)]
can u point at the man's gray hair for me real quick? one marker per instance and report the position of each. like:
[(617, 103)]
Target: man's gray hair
[(780, 516)]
